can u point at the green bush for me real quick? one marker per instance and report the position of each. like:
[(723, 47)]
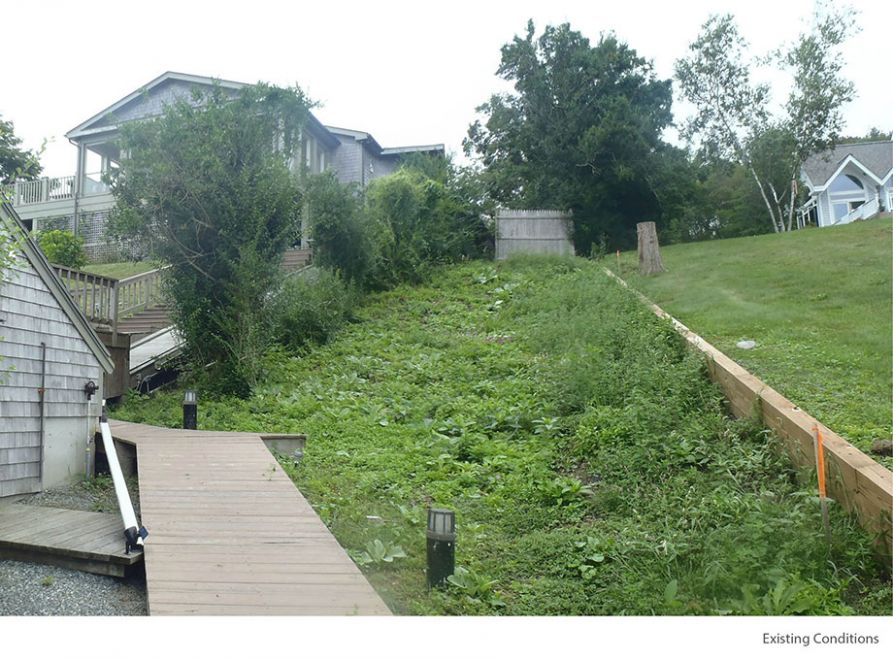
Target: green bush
[(62, 247), (343, 239), (425, 221), (310, 307), (408, 223)]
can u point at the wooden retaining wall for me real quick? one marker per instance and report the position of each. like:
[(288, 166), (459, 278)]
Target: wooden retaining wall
[(532, 232), (855, 480)]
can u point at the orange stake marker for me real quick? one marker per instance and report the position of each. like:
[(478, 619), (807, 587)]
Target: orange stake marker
[(820, 462), (820, 471)]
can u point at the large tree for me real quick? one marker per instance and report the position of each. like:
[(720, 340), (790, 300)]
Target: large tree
[(733, 120), (15, 162), (580, 132), (207, 186)]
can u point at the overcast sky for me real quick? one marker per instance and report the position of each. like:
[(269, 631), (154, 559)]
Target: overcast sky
[(407, 72)]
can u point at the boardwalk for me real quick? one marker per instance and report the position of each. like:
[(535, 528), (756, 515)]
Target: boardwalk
[(230, 533), (83, 540)]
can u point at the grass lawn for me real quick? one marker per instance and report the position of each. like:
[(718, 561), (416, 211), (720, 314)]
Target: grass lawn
[(816, 302), (121, 269), (587, 456)]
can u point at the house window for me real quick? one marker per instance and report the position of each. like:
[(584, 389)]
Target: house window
[(322, 161), (308, 155), (846, 183)]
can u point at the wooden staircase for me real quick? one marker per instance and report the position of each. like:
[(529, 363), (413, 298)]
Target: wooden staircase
[(147, 321), (296, 259)]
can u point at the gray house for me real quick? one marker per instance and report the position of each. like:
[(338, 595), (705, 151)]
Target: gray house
[(50, 361), (81, 202), (850, 182)]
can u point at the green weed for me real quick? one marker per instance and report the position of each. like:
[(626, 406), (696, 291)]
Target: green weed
[(588, 459)]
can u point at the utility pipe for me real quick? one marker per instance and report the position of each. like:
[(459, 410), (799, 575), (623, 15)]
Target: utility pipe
[(133, 533), (42, 392)]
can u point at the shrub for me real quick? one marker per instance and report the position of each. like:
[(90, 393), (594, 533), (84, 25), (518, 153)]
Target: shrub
[(207, 185), (310, 307), (426, 222), (62, 247), (343, 239)]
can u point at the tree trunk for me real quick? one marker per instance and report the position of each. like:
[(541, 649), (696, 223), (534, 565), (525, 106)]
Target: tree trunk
[(649, 250)]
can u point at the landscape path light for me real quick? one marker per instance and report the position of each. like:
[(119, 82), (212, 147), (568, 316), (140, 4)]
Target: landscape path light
[(441, 534), (190, 410)]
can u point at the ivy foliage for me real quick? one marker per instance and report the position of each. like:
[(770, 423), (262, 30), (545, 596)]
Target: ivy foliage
[(207, 187)]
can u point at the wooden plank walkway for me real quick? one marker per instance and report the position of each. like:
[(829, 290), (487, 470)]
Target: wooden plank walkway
[(82, 540), (229, 533)]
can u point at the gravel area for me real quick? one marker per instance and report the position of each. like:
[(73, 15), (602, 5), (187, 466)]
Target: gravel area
[(35, 589), (38, 590), (97, 494)]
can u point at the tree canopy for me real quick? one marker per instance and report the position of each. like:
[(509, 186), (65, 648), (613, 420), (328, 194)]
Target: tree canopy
[(581, 132), (207, 187), (15, 162), (733, 120)]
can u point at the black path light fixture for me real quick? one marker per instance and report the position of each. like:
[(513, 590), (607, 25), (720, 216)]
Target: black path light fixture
[(190, 410), (441, 535)]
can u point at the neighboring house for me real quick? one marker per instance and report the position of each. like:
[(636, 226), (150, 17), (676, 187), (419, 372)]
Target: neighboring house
[(850, 182), (81, 202), (49, 354)]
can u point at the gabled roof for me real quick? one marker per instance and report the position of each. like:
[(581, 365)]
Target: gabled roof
[(98, 124), (10, 220), (874, 158), (378, 150)]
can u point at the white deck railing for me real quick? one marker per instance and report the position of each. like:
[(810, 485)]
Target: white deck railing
[(52, 189), (862, 212)]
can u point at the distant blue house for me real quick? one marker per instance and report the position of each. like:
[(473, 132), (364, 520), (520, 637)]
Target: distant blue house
[(850, 182)]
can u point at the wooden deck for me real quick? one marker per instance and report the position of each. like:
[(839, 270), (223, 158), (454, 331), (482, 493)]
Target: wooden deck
[(229, 533), (82, 540)]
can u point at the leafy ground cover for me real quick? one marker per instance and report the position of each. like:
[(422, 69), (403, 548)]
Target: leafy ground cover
[(587, 457), (819, 305)]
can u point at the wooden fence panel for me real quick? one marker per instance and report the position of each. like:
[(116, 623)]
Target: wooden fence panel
[(533, 232)]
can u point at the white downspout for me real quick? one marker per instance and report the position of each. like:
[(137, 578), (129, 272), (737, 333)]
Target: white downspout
[(133, 533)]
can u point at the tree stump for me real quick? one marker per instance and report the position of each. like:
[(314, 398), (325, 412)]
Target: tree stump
[(649, 250)]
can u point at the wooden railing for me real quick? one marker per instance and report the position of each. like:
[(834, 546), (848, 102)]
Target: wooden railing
[(52, 189), (105, 300), (138, 292)]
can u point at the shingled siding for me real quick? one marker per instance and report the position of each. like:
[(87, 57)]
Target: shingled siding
[(29, 315), (348, 160)]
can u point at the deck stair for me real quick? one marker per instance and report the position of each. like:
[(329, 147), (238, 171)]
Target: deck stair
[(296, 259), (147, 321)]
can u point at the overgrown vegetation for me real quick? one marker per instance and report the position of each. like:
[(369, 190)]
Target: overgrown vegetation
[(310, 307), (819, 305), (588, 458), (400, 226), (207, 186), (62, 247)]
